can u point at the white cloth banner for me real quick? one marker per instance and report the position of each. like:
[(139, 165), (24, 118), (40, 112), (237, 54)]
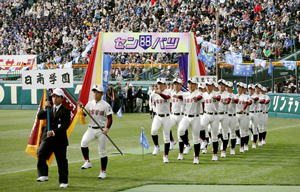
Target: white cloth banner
[(146, 42), (45, 79)]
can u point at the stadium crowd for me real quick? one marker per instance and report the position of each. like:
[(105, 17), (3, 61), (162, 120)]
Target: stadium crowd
[(63, 29)]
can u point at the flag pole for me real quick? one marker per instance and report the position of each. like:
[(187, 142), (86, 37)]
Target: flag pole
[(94, 120), (143, 151), (48, 112)]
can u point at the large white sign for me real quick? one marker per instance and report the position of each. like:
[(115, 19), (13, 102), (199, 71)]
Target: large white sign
[(6, 61), (146, 42), (45, 79)]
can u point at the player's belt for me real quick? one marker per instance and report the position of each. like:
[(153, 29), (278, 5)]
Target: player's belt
[(96, 127), (163, 115), (177, 113), (211, 113), (191, 115), (252, 111), (259, 111), (231, 115), (247, 113), (201, 113), (265, 112), (240, 113), (222, 113)]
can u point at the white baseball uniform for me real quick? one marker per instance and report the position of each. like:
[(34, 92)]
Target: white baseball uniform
[(261, 98), (254, 114), (232, 120), (99, 111), (211, 116), (265, 110), (242, 118), (191, 115), (177, 110), (162, 117), (223, 116)]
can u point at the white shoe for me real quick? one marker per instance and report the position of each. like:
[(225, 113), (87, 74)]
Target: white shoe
[(241, 150), (204, 151), (253, 145), (42, 178), (156, 150), (196, 160), (215, 157), (203, 145), (187, 150), (223, 154), (251, 137), (86, 165), (209, 141), (172, 144), (63, 185), (238, 141), (259, 143), (246, 148), (232, 151), (180, 156), (263, 142), (165, 158), (102, 175)]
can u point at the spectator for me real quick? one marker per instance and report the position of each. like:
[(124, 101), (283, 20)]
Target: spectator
[(267, 52), (162, 74)]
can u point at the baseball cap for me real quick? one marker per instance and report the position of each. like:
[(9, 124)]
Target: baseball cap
[(58, 92), (177, 80), (98, 88), (192, 80), (216, 85), (130, 85), (222, 81), (161, 80), (201, 85), (258, 85), (229, 84), (239, 84), (251, 86), (245, 85), (264, 89), (208, 82)]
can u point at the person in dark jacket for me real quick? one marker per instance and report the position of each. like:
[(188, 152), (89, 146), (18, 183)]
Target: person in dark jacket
[(130, 99), (55, 139)]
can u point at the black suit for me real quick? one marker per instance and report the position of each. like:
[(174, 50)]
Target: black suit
[(58, 143)]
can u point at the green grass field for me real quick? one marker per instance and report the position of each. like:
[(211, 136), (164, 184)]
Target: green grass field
[(277, 163)]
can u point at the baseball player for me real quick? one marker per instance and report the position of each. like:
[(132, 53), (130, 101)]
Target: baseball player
[(176, 109), (246, 148), (216, 87), (191, 118), (102, 112), (150, 92), (265, 115), (211, 105), (244, 101), (253, 114), (232, 121), (223, 116), (204, 133), (161, 99), (261, 101)]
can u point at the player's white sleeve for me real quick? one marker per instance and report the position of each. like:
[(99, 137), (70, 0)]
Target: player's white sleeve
[(108, 109)]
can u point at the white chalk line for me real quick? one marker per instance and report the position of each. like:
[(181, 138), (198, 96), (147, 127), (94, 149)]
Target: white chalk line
[(115, 155)]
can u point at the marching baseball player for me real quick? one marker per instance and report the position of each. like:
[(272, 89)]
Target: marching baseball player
[(253, 113), (261, 102), (161, 100), (265, 115), (150, 93), (244, 101), (216, 87), (191, 118), (211, 105), (201, 88), (232, 116), (176, 109), (102, 112), (248, 118), (223, 116)]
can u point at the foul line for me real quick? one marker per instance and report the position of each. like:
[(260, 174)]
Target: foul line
[(116, 155)]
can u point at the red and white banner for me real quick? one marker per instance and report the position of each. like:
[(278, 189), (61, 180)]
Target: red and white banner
[(7, 61)]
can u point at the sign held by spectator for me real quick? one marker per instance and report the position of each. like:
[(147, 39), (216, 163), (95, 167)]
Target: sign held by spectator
[(45, 79)]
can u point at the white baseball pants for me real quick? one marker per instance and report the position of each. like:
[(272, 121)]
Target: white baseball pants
[(213, 121), (165, 123), (185, 123)]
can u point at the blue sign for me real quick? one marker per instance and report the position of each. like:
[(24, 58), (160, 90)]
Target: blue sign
[(208, 60), (242, 70)]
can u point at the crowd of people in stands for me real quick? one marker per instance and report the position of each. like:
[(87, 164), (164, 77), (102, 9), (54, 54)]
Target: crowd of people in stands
[(53, 29)]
